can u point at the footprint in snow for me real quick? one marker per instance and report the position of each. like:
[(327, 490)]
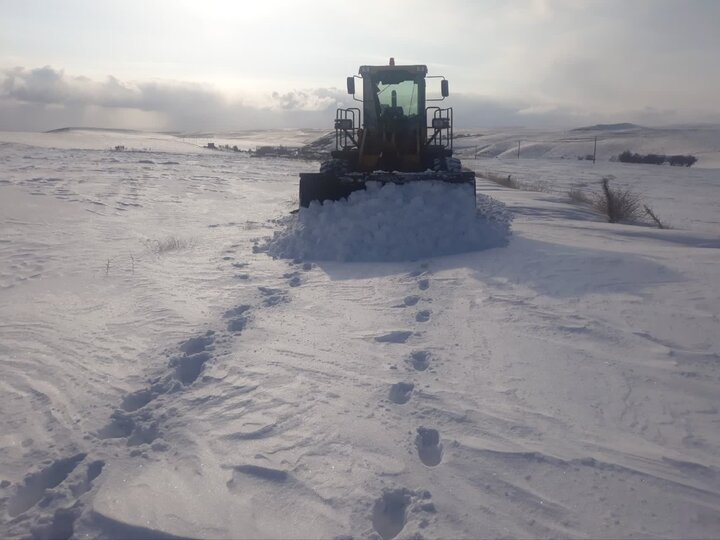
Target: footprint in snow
[(273, 296), (294, 278), (400, 392), (423, 316), (34, 491), (132, 420), (390, 512), (137, 400), (137, 429), (35, 485), (237, 324), (424, 284), (196, 352), (396, 336), (265, 473), (408, 301), (429, 447), (237, 317), (199, 343), (420, 360), (189, 366), (120, 425)]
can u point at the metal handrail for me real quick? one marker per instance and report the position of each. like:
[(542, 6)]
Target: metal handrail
[(441, 136), (343, 133)]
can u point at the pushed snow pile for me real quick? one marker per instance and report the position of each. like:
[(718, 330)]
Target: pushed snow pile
[(394, 223)]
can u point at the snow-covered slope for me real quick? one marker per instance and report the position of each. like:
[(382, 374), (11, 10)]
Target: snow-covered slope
[(163, 376), (139, 141), (700, 141)]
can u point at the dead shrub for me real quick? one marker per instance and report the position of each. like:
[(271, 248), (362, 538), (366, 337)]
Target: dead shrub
[(618, 204), (651, 214)]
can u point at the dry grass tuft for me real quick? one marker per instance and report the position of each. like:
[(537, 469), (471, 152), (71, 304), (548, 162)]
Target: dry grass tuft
[(171, 243)]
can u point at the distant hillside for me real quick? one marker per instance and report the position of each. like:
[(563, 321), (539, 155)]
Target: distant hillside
[(605, 141), (110, 130), (609, 127)]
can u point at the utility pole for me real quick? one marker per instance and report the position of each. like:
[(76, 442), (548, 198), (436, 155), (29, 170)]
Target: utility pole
[(518, 149), (595, 150)]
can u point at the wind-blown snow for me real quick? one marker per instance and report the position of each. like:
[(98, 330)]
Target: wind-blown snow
[(394, 223)]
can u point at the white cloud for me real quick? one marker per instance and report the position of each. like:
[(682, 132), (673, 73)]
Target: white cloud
[(603, 59), (47, 98)]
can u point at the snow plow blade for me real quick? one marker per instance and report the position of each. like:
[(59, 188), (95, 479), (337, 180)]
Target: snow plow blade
[(329, 187)]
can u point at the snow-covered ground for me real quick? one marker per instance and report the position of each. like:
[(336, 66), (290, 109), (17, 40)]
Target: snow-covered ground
[(177, 143), (702, 141), (163, 376)]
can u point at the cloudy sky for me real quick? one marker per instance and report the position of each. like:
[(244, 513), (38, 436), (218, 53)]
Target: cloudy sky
[(236, 64)]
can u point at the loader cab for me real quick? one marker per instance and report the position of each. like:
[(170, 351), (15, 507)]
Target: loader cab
[(394, 138), (395, 129), (393, 95)]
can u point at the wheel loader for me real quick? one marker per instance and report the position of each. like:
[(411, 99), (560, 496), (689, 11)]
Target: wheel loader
[(394, 137)]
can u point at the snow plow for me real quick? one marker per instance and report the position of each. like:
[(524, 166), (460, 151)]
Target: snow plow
[(394, 138)]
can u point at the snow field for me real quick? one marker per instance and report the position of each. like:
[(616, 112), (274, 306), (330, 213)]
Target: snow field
[(563, 385), (394, 223), (703, 141)]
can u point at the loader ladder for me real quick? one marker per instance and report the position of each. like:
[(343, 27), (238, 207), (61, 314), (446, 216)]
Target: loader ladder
[(441, 127), (347, 123)]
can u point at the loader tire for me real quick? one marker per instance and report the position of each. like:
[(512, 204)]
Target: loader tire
[(449, 164), (453, 164), (335, 167), (315, 187)]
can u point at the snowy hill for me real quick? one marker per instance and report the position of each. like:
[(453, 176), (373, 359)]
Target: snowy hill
[(701, 141), (622, 126), (163, 376)]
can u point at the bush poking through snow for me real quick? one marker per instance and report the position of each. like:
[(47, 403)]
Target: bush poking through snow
[(651, 214), (618, 204)]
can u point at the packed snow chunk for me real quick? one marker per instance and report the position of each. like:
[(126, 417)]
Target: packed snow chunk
[(394, 223)]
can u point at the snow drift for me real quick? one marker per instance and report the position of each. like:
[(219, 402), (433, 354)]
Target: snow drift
[(394, 223)]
